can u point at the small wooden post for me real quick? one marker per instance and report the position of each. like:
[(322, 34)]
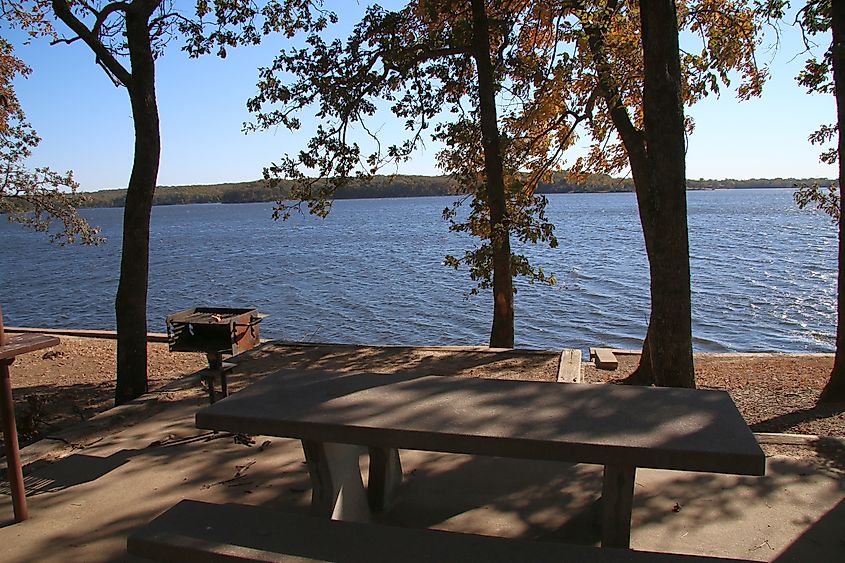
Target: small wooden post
[(604, 358), (10, 436)]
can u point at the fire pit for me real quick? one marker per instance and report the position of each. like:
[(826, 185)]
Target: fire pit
[(217, 331)]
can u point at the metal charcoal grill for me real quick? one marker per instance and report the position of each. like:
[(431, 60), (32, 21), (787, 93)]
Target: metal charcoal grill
[(213, 330), (217, 331)]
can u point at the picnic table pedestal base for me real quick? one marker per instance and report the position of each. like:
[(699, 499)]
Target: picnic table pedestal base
[(338, 493), (337, 489), (385, 478)]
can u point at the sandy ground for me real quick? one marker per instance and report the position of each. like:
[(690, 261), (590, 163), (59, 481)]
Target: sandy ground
[(75, 380), (774, 392), (82, 508)]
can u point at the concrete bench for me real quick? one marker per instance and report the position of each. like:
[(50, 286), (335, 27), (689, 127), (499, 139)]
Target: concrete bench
[(198, 531), (337, 416), (604, 358)]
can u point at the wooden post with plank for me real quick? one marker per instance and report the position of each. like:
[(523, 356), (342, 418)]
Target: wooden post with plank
[(10, 348)]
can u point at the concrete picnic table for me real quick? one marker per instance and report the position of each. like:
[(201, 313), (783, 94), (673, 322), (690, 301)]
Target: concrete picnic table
[(10, 348), (619, 427)]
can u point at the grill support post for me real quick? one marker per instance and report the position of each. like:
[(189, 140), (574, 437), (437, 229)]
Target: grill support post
[(215, 366)]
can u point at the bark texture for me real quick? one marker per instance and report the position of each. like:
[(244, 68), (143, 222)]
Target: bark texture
[(665, 202), (502, 331), (658, 166), (131, 300), (834, 391), (139, 81)]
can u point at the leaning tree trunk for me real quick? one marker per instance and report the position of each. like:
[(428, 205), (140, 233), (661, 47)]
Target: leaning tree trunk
[(131, 301), (634, 142), (502, 332), (834, 391), (638, 159), (670, 327)]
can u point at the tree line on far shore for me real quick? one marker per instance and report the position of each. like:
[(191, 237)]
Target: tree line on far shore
[(408, 186)]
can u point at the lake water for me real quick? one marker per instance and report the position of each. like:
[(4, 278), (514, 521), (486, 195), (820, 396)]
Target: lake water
[(764, 273)]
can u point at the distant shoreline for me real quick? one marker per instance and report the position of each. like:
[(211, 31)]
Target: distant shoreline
[(407, 186)]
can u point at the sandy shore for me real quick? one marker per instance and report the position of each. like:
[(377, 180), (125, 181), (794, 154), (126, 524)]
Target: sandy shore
[(774, 392), (74, 381)]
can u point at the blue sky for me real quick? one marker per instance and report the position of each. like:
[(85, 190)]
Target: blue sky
[(85, 121)]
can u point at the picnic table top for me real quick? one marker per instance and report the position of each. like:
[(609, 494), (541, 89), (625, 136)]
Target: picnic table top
[(18, 344), (663, 428)]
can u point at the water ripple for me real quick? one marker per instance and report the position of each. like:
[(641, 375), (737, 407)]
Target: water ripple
[(764, 273)]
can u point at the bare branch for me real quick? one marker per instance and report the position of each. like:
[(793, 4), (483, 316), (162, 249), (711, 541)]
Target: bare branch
[(67, 40), (105, 59)]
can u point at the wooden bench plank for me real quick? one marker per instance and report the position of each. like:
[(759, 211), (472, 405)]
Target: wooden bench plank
[(604, 358), (194, 531), (569, 370)]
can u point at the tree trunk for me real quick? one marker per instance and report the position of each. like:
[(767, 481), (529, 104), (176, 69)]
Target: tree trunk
[(131, 301), (667, 240), (634, 142), (834, 391), (502, 332), (643, 375), (638, 158)]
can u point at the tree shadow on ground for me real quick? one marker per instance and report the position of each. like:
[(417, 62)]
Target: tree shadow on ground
[(784, 422), (43, 409), (561, 502), (814, 543), (506, 364), (120, 484), (508, 497)]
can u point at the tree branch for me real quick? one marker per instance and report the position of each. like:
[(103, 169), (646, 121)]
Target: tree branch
[(104, 57), (103, 14), (631, 136), (66, 40)]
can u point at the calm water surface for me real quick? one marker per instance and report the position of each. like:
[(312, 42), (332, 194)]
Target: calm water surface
[(764, 273)]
